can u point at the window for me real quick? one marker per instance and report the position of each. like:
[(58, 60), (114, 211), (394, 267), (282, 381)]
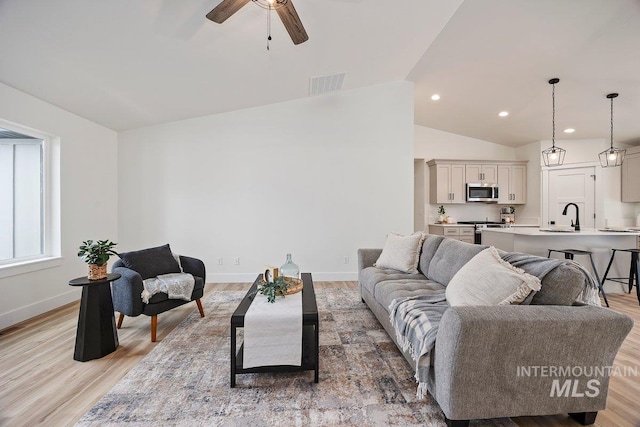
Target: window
[(21, 196), (29, 200)]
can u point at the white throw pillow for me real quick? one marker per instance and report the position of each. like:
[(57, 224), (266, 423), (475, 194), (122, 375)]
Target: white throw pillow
[(401, 253), (487, 279)]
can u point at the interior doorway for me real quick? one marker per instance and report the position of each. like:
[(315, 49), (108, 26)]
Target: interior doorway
[(572, 185)]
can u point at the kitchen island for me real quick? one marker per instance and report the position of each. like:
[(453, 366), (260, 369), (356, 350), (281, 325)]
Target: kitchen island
[(535, 241)]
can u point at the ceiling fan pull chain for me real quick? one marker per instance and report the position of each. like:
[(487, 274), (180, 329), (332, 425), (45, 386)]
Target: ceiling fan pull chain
[(268, 27)]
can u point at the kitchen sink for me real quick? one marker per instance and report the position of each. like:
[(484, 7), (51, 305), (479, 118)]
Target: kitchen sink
[(558, 230)]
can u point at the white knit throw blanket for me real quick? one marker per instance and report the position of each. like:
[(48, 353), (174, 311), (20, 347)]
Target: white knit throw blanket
[(273, 332), (176, 285)]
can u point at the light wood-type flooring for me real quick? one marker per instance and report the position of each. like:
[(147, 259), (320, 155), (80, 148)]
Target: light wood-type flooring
[(41, 384)]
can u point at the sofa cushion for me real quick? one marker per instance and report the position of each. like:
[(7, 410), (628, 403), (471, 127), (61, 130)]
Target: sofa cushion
[(429, 248), (389, 290), (401, 253), (371, 276), (151, 262), (450, 256), (489, 280)]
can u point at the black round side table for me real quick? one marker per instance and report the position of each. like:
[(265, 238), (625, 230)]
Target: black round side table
[(97, 335)]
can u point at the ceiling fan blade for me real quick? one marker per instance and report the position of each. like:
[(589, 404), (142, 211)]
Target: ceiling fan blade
[(224, 10), (292, 23)]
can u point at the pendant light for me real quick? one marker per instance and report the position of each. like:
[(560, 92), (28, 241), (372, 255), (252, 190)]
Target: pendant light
[(553, 156), (612, 156)]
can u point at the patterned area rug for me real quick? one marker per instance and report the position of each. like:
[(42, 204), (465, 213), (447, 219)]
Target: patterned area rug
[(184, 380)]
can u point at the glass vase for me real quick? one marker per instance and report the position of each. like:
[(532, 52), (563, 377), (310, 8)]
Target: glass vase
[(290, 269)]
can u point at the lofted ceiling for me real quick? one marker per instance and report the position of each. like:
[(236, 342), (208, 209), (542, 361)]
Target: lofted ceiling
[(498, 55), (131, 63)]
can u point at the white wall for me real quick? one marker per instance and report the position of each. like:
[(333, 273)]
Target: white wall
[(318, 177), (88, 201), (436, 144)]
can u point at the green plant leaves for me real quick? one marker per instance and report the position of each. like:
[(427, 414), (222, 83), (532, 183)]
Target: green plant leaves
[(96, 252), (272, 289)]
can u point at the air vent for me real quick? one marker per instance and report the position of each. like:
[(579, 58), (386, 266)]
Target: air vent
[(325, 84)]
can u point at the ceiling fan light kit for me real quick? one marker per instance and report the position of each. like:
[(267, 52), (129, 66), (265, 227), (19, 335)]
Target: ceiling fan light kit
[(285, 9), (612, 156), (553, 156)]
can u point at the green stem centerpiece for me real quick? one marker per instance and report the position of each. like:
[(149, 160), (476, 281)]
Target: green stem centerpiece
[(280, 286)]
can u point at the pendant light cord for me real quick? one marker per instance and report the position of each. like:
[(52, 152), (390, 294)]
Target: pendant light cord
[(612, 124), (553, 117)]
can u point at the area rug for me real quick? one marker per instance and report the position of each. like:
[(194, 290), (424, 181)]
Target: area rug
[(184, 380)]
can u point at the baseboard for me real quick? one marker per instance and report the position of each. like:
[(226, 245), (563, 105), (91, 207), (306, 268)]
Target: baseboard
[(27, 312), (250, 277)]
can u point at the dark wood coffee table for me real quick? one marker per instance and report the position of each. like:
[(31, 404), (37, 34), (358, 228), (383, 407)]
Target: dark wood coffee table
[(310, 333)]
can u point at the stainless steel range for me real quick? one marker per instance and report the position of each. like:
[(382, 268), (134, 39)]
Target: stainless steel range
[(479, 225)]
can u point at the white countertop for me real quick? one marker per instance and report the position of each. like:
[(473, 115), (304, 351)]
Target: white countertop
[(535, 231), (453, 225)]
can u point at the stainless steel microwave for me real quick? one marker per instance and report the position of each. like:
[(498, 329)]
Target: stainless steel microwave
[(480, 192)]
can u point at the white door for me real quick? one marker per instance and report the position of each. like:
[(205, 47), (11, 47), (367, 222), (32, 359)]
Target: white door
[(575, 185)]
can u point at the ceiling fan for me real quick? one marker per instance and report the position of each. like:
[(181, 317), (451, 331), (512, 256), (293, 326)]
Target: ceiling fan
[(285, 9)]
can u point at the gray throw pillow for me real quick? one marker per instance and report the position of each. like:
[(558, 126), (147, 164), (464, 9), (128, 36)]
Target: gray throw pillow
[(151, 262), (401, 253), (487, 279)]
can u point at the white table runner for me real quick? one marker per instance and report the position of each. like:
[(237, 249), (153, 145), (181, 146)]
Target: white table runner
[(273, 332)]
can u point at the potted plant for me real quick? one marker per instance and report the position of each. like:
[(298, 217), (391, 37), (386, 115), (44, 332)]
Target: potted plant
[(441, 212), (96, 254)]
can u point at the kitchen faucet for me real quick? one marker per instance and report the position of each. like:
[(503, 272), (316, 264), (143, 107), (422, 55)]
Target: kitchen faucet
[(577, 224)]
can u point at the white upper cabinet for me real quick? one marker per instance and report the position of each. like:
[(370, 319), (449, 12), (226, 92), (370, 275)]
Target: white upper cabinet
[(631, 175), (481, 173), (447, 183), (448, 179), (512, 180)]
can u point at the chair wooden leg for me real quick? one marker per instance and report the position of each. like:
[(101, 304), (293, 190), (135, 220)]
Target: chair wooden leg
[(120, 319), (200, 307), (154, 327)]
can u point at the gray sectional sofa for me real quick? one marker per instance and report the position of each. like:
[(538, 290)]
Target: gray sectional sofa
[(505, 361)]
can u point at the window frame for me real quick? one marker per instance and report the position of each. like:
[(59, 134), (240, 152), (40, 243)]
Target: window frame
[(50, 207)]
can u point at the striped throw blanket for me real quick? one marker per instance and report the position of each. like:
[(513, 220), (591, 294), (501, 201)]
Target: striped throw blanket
[(416, 321)]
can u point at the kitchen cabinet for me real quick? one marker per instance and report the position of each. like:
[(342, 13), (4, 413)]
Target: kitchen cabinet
[(447, 183), (481, 173), (462, 233), (512, 180), (631, 175), (448, 179)]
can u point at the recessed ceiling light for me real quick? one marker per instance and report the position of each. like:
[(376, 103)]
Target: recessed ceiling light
[(435, 97), (503, 113), (569, 130)]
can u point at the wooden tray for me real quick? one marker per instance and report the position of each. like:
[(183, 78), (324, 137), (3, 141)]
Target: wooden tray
[(295, 285)]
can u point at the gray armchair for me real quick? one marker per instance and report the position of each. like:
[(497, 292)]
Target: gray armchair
[(134, 267)]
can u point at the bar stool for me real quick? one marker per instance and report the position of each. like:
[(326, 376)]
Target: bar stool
[(570, 253), (634, 270)]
